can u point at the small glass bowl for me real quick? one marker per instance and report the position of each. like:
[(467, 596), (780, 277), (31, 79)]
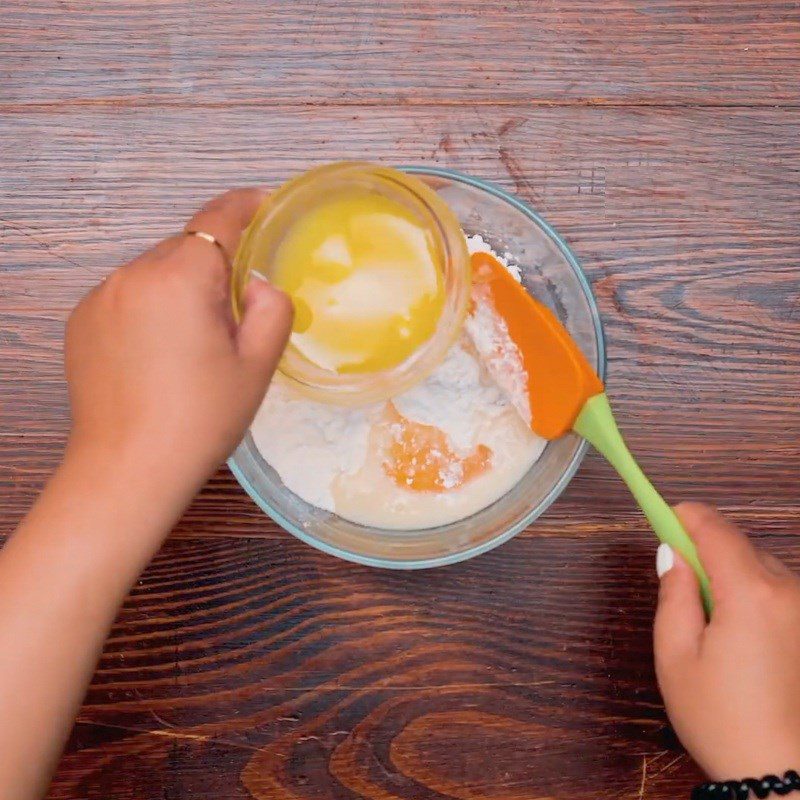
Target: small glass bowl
[(446, 240), (551, 273)]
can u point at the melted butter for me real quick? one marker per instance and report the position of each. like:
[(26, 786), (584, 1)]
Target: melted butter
[(365, 281)]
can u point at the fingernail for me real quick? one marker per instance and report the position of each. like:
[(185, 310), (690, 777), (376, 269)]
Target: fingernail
[(256, 274), (665, 560)]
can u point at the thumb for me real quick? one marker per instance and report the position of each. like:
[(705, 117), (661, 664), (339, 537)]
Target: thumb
[(265, 327), (680, 618)]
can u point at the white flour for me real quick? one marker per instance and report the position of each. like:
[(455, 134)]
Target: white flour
[(499, 354), (489, 333), (325, 455), (308, 443), (477, 244), (455, 398)]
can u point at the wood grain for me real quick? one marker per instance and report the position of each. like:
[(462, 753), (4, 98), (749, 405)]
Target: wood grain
[(174, 52), (305, 676), (685, 220), (659, 136)]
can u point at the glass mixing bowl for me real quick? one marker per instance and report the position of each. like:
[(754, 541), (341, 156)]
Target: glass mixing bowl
[(551, 273)]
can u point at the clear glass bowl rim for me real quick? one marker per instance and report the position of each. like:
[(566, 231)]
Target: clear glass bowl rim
[(566, 476)]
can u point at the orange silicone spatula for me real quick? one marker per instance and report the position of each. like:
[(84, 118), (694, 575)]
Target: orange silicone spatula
[(565, 394)]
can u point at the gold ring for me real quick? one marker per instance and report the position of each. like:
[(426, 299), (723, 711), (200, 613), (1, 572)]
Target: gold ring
[(207, 237)]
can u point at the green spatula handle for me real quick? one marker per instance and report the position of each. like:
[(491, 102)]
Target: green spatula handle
[(597, 425)]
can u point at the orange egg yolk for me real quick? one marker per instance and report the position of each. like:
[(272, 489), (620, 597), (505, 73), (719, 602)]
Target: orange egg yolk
[(420, 457)]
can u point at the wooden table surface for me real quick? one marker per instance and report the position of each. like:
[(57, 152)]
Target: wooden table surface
[(661, 137)]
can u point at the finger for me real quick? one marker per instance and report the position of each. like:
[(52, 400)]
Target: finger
[(773, 565), (680, 618), (265, 327), (726, 553), (226, 216)]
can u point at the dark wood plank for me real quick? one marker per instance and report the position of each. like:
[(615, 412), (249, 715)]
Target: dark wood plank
[(636, 191), (245, 664), (263, 665), (398, 52), (759, 484), (594, 504), (686, 220)]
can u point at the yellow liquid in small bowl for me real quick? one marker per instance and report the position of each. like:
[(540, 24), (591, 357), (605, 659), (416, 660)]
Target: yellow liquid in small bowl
[(365, 279)]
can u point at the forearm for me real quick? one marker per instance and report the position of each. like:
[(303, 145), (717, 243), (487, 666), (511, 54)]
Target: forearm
[(162, 388), (63, 576)]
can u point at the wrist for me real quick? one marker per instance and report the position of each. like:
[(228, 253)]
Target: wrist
[(95, 527), (755, 762), (121, 501), (145, 466)]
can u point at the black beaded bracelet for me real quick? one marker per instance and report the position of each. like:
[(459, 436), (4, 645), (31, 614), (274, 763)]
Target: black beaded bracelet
[(741, 790)]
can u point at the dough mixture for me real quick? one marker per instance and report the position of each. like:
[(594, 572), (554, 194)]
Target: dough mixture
[(436, 454)]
